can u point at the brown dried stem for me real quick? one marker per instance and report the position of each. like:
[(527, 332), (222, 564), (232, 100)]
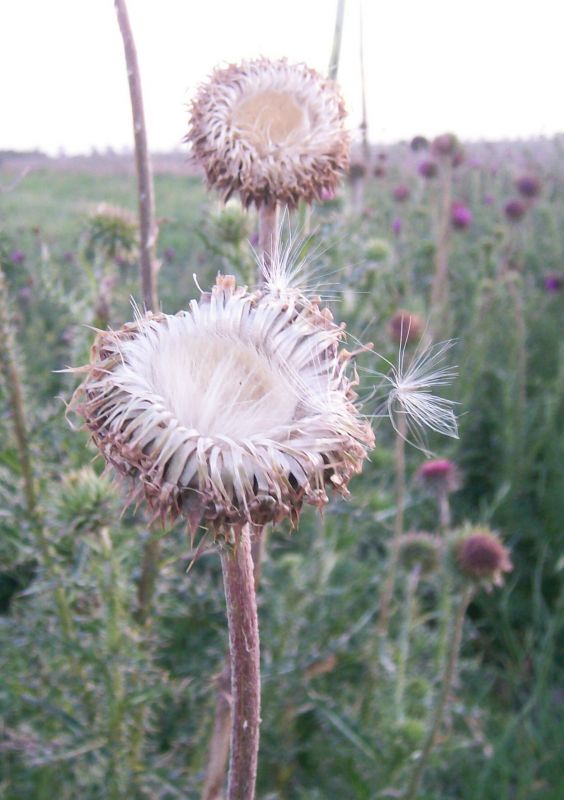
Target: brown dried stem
[(148, 238), (147, 224), (239, 583)]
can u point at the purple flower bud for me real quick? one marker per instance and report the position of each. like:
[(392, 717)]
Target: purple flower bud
[(444, 145), (68, 257), (169, 254), (515, 210), (401, 193), (460, 217), (328, 194), (419, 143), (396, 226), (379, 171)]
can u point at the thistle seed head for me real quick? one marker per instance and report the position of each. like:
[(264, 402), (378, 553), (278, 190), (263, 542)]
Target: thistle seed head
[(271, 132), (238, 410)]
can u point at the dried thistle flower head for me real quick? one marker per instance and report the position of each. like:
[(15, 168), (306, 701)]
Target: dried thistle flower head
[(237, 410), (419, 549), (113, 232), (270, 131), (481, 557)]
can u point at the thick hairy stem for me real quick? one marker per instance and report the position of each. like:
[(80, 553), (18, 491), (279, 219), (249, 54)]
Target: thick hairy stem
[(388, 587), (239, 583), (147, 224), (441, 701), (443, 507), (8, 363), (268, 231), (218, 751)]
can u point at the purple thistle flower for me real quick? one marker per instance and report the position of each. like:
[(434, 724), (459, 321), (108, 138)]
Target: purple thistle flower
[(553, 282), (528, 186), (515, 210), (396, 226), (460, 217), (428, 169), (17, 257), (327, 194), (401, 193)]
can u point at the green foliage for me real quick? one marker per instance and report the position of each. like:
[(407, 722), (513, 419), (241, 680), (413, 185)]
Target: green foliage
[(96, 705)]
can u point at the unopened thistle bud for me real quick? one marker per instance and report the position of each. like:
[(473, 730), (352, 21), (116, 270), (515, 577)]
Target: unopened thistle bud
[(481, 557), (460, 217), (270, 131), (419, 549), (406, 327)]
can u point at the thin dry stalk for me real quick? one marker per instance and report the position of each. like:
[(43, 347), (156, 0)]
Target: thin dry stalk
[(268, 231), (337, 36), (147, 224), (148, 231)]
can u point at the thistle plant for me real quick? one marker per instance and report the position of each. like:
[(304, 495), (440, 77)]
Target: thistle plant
[(230, 415), (479, 560)]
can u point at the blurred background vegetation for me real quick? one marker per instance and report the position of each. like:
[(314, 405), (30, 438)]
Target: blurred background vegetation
[(95, 704)]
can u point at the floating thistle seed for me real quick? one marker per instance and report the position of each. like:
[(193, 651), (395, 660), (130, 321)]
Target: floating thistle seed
[(481, 557), (515, 210), (238, 410), (439, 475), (419, 549), (528, 186), (270, 131)]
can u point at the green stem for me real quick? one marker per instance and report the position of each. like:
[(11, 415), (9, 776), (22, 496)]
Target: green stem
[(12, 380), (405, 635), (442, 697), (439, 289), (389, 583)]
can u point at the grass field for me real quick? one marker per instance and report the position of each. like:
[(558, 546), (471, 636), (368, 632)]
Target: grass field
[(95, 705)]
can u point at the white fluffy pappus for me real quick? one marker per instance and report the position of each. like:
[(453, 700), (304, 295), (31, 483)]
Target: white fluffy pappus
[(237, 410)]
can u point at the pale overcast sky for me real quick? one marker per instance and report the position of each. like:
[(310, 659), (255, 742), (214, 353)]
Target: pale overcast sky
[(483, 69)]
